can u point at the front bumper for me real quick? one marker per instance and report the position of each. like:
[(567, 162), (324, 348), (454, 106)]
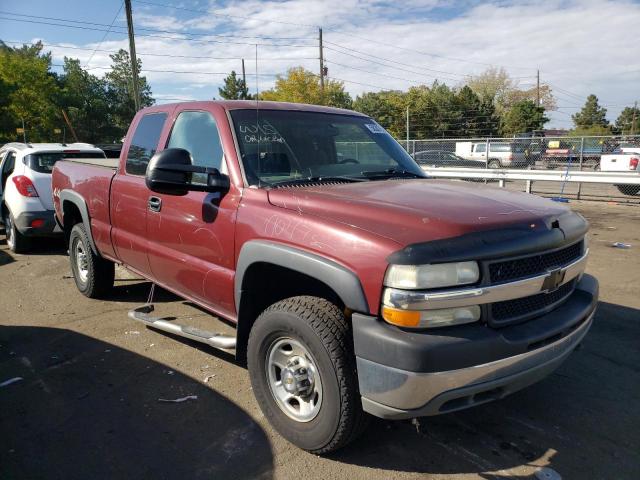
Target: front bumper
[(48, 226), (405, 374)]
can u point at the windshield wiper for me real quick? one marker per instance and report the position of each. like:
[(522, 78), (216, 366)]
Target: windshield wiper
[(391, 173), (319, 178)]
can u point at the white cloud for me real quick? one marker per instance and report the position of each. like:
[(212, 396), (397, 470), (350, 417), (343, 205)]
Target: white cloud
[(581, 47)]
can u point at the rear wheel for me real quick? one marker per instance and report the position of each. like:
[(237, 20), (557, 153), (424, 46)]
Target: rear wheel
[(303, 373), (93, 274), (494, 164), (16, 241)]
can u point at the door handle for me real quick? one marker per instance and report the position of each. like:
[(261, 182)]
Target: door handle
[(155, 204)]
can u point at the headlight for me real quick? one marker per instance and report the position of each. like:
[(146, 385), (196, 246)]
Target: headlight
[(444, 317), (413, 277)]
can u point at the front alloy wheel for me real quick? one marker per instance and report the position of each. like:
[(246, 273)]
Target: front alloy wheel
[(294, 379), (303, 373)]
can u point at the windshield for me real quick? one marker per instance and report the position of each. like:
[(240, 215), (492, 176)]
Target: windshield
[(44, 162), (278, 146)]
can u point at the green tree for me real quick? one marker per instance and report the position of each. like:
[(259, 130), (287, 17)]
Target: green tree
[(302, 86), (84, 97), (234, 88), (119, 91), (29, 93), (524, 116), (386, 107), (591, 115), (628, 122)]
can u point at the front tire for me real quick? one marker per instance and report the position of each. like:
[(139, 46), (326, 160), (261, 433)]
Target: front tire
[(93, 274), (16, 241), (303, 373)]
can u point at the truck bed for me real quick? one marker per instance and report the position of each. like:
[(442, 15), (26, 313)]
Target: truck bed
[(111, 163), (91, 179)]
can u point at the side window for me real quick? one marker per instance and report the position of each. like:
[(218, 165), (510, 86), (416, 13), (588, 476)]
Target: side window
[(481, 148), (197, 132), (144, 143)]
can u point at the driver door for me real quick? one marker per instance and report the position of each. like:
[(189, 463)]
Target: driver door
[(192, 247)]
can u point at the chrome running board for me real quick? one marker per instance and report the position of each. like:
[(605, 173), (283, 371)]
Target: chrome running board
[(217, 340)]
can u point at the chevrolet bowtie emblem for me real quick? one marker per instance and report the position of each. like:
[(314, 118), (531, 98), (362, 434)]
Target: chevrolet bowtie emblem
[(553, 280)]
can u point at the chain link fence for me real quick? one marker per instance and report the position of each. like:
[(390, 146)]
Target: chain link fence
[(536, 153)]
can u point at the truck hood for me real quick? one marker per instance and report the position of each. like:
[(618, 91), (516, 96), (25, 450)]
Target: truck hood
[(411, 211)]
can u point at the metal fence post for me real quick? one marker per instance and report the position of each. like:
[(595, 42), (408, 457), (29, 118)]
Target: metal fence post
[(581, 161)]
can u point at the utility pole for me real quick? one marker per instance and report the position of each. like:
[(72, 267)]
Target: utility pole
[(245, 90), (633, 120), (132, 54), (538, 88), (321, 61)]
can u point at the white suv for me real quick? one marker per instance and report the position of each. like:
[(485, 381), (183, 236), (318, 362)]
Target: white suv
[(26, 200)]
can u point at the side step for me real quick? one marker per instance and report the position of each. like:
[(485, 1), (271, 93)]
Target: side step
[(217, 340)]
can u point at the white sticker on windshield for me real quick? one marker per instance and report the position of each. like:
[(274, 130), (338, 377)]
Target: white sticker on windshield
[(374, 128)]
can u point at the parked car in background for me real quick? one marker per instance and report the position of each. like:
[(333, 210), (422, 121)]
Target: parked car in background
[(572, 152), (26, 201), (111, 150), (625, 159), (501, 154), (355, 283), (441, 158)]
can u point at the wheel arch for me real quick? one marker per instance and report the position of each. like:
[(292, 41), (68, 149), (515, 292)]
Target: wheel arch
[(289, 272), (74, 210)]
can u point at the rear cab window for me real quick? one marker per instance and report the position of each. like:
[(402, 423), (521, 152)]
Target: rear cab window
[(144, 142)]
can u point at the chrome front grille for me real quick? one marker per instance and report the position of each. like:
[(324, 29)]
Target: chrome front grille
[(528, 266), (518, 310)]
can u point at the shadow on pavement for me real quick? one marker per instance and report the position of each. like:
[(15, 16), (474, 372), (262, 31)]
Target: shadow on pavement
[(583, 421), (89, 409), (5, 257)]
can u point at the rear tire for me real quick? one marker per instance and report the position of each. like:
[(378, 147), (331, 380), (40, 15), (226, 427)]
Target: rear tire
[(318, 410), (16, 241), (93, 274), (494, 164)]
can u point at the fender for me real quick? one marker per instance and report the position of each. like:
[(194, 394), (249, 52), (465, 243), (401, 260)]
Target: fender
[(77, 199), (341, 280)]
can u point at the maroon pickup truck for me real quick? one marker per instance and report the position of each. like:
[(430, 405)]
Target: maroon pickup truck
[(357, 285)]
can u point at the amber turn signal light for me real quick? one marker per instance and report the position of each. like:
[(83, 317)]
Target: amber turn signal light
[(401, 318)]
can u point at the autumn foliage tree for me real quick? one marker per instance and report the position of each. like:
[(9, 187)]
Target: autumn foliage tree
[(302, 86)]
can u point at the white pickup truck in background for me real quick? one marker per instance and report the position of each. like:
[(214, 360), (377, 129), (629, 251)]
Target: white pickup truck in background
[(501, 154), (624, 159)]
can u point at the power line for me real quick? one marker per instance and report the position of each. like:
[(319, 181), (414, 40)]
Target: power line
[(424, 53), (176, 32), (388, 60), (80, 27), (225, 15), (105, 35), (148, 54), (373, 73)]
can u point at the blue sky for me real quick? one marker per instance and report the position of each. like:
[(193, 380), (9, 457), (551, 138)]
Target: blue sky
[(580, 47)]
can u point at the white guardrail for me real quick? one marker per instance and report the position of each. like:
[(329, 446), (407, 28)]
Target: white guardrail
[(569, 176)]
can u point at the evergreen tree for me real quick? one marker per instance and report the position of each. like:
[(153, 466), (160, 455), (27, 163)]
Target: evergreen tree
[(234, 88), (591, 115), (525, 116), (120, 90), (625, 122)]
